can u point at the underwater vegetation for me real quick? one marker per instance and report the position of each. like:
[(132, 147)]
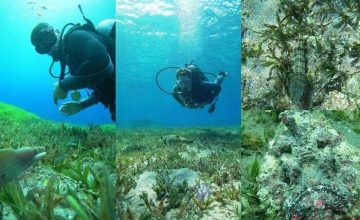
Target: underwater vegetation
[(258, 130), (194, 179), (76, 178), (305, 58), (309, 170)]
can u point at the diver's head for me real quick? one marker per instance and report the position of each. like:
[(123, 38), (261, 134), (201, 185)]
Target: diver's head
[(183, 79), (45, 39)]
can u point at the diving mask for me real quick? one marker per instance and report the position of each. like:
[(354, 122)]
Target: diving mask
[(45, 40), (184, 82)]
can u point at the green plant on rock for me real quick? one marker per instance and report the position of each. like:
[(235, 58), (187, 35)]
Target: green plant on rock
[(13, 196), (177, 195), (157, 211), (174, 193), (51, 197), (79, 173), (85, 175), (163, 184), (252, 139), (222, 176), (203, 205), (89, 209), (250, 202), (250, 50), (37, 204), (237, 212), (125, 183), (233, 192), (128, 214)]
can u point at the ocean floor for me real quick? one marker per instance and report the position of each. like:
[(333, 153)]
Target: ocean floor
[(300, 54), (178, 173), (73, 180), (303, 165)]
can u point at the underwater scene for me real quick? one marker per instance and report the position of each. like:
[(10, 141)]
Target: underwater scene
[(61, 170), (300, 54), (300, 165), (157, 38), (178, 112), (57, 156), (26, 81), (300, 119)]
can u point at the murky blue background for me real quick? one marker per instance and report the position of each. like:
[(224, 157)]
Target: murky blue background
[(24, 78), (155, 34)]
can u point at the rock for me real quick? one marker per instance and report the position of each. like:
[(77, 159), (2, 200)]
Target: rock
[(147, 180), (184, 174), (310, 170)]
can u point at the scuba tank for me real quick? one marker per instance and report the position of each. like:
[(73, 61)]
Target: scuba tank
[(106, 28)]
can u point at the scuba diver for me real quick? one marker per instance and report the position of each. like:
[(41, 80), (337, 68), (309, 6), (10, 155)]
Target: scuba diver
[(193, 89), (89, 54)]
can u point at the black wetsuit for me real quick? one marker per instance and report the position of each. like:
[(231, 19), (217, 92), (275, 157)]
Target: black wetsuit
[(87, 56), (203, 92)]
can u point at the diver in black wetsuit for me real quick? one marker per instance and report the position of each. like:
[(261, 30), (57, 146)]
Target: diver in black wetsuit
[(193, 89), (90, 58)]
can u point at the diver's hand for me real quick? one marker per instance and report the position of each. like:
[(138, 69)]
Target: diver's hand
[(15, 161), (59, 93), (224, 74), (70, 108)]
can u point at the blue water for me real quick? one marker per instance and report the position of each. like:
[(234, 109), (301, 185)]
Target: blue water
[(156, 34), (24, 79)]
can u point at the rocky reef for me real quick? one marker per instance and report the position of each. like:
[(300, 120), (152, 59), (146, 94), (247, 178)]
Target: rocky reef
[(310, 171)]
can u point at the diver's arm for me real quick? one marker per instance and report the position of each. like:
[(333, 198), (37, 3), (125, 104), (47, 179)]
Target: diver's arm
[(210, 90), (178, 99), (73, 107), (96, 63), (176, 95), (89, 101)]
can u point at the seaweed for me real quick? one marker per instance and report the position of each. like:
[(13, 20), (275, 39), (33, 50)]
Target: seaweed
[(305, 52), (214, 156), (105, 209), (37, 204), (157, 211), (251, 204), (65, 174)]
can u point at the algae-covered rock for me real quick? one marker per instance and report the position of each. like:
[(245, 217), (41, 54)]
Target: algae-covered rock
[(310, 170), (257, 128), (157, 187)]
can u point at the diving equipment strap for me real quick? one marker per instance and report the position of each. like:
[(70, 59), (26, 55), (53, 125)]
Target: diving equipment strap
[(77, 82)]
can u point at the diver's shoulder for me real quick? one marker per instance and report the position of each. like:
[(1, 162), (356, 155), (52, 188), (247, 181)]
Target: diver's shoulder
[(80, 35)]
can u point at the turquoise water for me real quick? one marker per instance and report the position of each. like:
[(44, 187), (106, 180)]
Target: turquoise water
[(155, 34), (151, 35), (24, 79)]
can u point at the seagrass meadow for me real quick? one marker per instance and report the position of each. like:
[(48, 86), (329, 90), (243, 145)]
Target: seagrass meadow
[(300, 54), (76, 178), (197, 177)]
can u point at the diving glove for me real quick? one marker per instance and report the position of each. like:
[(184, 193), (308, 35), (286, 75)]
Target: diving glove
[(70, 108), (59, 93)]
